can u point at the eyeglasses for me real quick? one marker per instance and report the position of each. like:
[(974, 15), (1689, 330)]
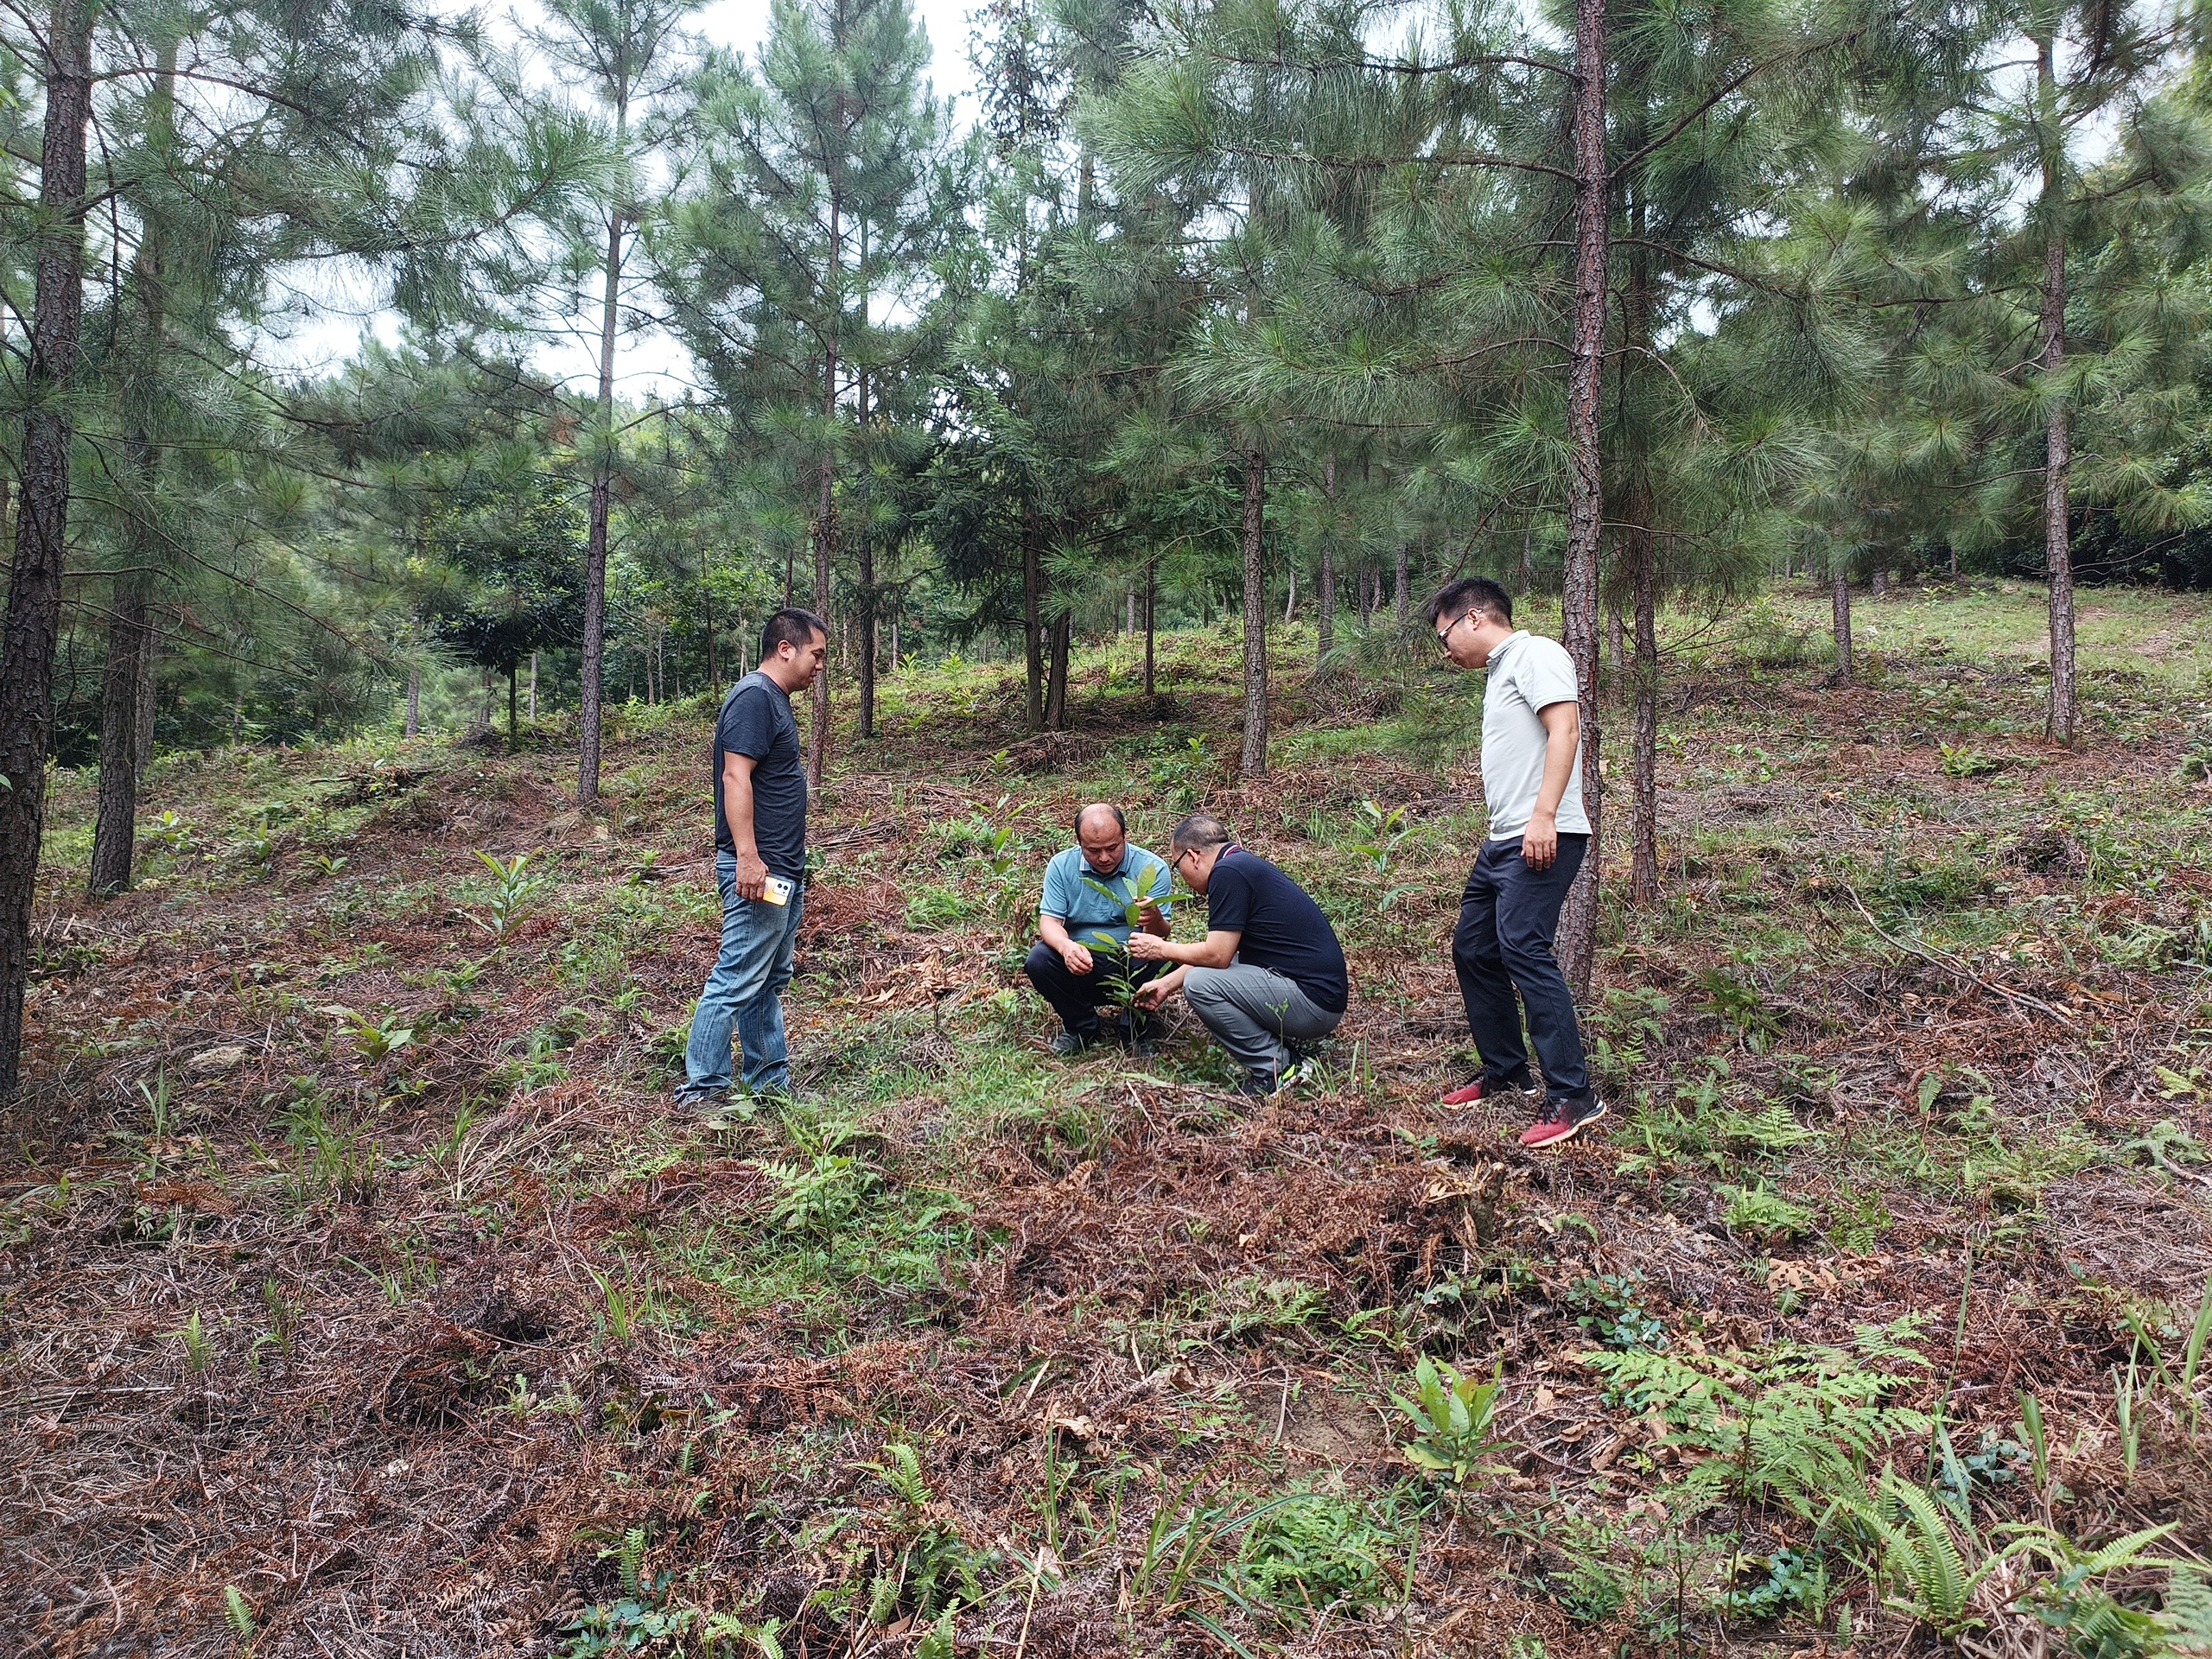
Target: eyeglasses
[(1444, 634)]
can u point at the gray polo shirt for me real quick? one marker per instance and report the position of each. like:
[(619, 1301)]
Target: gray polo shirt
[(1526, 673)]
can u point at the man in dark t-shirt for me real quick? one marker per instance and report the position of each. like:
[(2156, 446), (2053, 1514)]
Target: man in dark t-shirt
[(759, 864), (1269, 971)]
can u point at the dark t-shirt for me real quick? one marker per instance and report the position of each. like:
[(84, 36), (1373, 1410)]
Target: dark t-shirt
[(757, 719), (1284, 929)]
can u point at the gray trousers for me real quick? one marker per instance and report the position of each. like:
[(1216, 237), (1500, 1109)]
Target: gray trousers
[(1252, 1010)]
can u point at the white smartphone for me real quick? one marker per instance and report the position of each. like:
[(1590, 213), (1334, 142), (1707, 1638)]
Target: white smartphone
[(777, 890)]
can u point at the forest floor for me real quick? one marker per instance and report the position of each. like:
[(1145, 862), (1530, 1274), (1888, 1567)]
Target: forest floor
[(366, 1292)]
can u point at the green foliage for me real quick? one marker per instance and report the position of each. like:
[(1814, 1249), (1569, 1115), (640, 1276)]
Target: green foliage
[(1607, 1308), (1797, 1426), (821, 1197), (1312, 1551), (1451, 1416), (515, 895), (1382, 830), (198, 1346), (1760, 1213)]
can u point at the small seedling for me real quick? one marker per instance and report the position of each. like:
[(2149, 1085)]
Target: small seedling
[(374, 1040), (517, 894), (198, 1346), (1452, 1415)]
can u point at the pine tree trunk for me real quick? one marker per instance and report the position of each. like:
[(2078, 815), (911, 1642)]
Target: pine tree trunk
[(414, 683), (1290, 601), (1643, 580), (1032, 620), (149, 680), (1578, 941), (1151, 594), (2058, 451), (602, 499), (1056, 692), (533, 688), (825, 516), (866, 549), (1878, 586), (1643, 876), (514, 675), (126, 678), (1616, 642), (1253, 761), (34, 613), (1839, 616), (1401, 591), (115, 816), (1327, 594)]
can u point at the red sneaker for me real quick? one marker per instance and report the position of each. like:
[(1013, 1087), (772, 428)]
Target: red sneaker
[(1562, 1121), (1477, 1086)]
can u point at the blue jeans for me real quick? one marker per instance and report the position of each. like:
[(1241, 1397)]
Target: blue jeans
[(1508, 917), (746, 990)]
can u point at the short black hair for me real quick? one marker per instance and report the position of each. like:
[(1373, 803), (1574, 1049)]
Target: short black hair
[(1200, 829), (1121, 818), (1456, 599), (792, 627)]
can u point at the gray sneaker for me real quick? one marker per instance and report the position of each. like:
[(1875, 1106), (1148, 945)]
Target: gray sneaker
[(1069, 1044), (703, 1102)]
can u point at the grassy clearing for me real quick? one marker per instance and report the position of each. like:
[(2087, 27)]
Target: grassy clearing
[(364, 1294)]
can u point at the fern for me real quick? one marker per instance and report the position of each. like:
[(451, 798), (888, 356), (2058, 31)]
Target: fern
[(903, 1475), (2187, 1617), (630, 1559), (1797, 1426)]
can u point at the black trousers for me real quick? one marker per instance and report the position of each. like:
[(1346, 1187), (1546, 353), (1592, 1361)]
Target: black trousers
[(1509, 916), (1076, 997)]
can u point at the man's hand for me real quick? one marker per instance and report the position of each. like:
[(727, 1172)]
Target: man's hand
[(1152, 993), (1539, 840), (1078, 959), (1147, 947), (752, 873)]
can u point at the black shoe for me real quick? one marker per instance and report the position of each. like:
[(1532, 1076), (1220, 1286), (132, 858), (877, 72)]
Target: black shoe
[(1261, 1085), (1069, 1044), (705, 1102)]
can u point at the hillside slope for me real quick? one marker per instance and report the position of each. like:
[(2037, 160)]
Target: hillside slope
[(366, 1294)]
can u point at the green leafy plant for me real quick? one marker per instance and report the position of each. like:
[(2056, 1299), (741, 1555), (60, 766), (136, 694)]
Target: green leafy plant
[(1758, 1212), (1965, 762), (238, 1611), (1310, 1552), (514, 897), (1382, 831), (1950, 1575), (163, 1118), (198, 1346), (1451, 1415), (1608, 1308), (374, 1040), (1798, 1425), (821, 1197)]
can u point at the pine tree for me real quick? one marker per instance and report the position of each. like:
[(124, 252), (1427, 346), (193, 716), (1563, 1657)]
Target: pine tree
[(628, 55), (825, 192)]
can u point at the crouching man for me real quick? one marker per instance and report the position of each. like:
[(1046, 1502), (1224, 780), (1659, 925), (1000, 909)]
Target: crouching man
[(1269, 972), (1082, 956)]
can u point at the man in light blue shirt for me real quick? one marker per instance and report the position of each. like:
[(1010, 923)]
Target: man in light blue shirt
[(1081, 958)]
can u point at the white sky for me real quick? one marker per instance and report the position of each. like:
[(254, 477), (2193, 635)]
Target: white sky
[(328, 310)]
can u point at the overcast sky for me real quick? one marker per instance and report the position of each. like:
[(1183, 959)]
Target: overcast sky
[(331, 312)]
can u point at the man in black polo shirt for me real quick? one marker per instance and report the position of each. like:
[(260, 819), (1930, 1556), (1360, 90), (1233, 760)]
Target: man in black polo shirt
[(1269, 971), (759, 864)]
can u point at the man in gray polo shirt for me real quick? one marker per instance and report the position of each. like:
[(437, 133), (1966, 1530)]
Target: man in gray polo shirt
[(1539, 836)]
